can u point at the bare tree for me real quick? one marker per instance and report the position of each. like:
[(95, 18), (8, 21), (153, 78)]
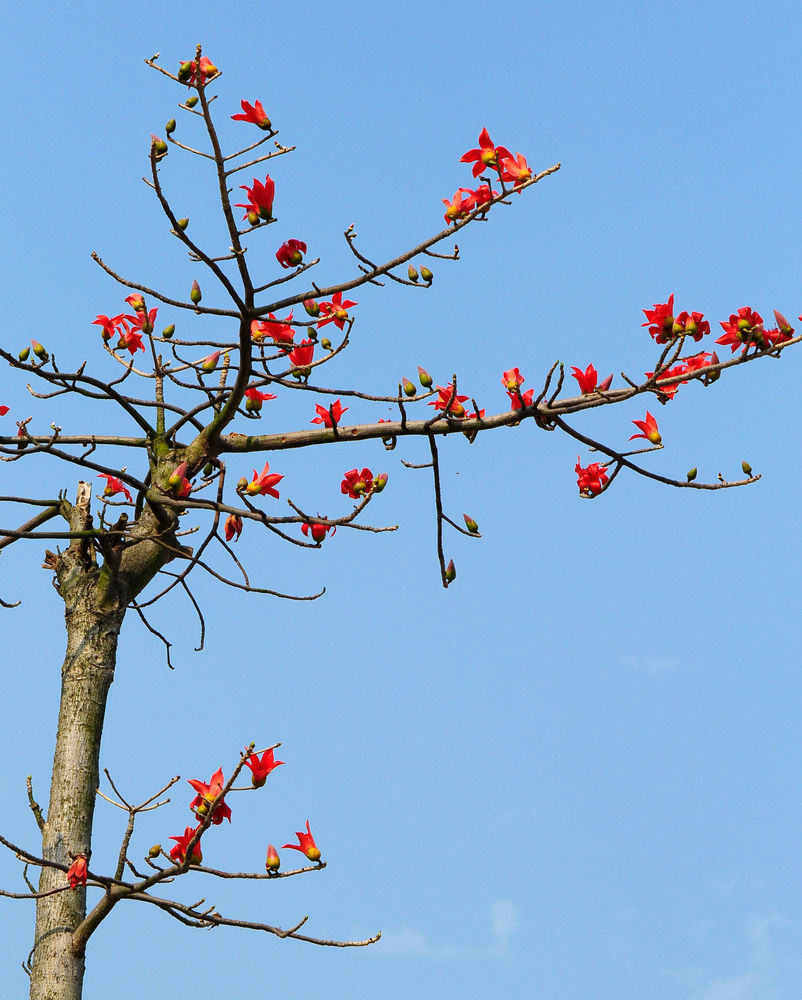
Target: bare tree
[(132, 539)]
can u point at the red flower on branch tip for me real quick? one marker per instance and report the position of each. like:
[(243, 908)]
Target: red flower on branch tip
[(446, 402), (3, 411), (207, 793), (144, 320), (260, 200), (356, 484), (261, 767), (130, 340), (291, 253), (254, 113), (525, 398), (324, 414), (460, 206), (482, 195), (660, 320), (691, 325), (136, 301), (784, 329), (306, 844), (590, 480), (109, 324), (233, 527), (649, 428), (335, 311), (743, 329), (178, 483), (114, 486), (588, 378), (179, 852), (301, 357), (263, 483), (77, 871), (516, 170), (512, 379), (701, 360), (254, 399), (207, 70), (318, 531), (670, 391), (278, 329), (487, 155), (272, 862)]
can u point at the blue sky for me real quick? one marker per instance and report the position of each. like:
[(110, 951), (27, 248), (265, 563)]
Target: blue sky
[(574, 774)]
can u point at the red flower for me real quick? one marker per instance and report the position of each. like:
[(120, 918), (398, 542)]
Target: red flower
[(455, 407), (318, 531), (482, 195), (114, 486), (263, 484), (77, 872), (698, 361), (649, 428), (744, 327), (253, 113), (129, 339), (783, 332), (301, 357), (260, 200), (206, 795), (273, 862), (516, 169), (291, 253), (261, 767), (179, 852), (3, 411), (136, 301), (207, 70), (356, 484), (587, 380), (109, 324), (512, 379), (254, 399), (590, 480), (692, 325), (324, 416), (335, 311), (487, 155), (459, 207), (233, 527), (527, 397), (279, 329), (660, 320), (670, 390), (143, 320), (306, 844)]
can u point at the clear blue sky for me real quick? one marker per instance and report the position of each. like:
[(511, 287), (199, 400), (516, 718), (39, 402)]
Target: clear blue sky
[(576, 773)]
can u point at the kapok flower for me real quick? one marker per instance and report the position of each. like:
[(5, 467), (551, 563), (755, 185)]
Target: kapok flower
[(130, 340), (207, 70), (206, 796), (318, 531), (744, 327), (460, 206), (587, 380), (649, 428), (356, 484), (324, 414), (254, 113), (179, 852), (487, 155), (260, 200), (254, 399), (380, 482), (306, 844), (698, 361), (113, 486), (446, 402), (301, 359), (516, 169), (291, 253), (233, 527), (3, 411), (660, 320), (278, 329), (512, 379), (525, 398), (262, 484), (783, 332), (670, 391), (691, 324), (261, 767), (590, 480), (144, 320), (482, 195), (109, 324), (136, 301), (273, 862), (77, 872), (336, 311)]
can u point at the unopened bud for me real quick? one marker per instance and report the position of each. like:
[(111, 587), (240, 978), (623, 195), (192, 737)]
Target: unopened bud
[(424, 378), (209, 364), (413, 274), (155, 851), (158, 145), (182, 224), (208, 469), (312, 308), (242, 484), (195, 292), (451, 571), (692, 474), (253, 218), (39, 351), (605, 385), (409, 388), (177, 475), (168, 331), (380, 482), (325, 343), (169, 128), (191, 101), (184, 73), (747, 468), (782, 323), (273, 862), (24, 353), (426, 274), (470, 524)]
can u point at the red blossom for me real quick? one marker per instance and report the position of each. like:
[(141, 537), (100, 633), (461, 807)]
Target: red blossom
[(515, 400), (254, 113), (516, 169), (254, 399), (487, 155), (744, 328), (109, 324), (691, 325), (301, 357), (260, 200), (263, 483), (590, 480), (207, 794), (660, 320), (233, 527), (445, 401), (459, 207), (114, 486), (324, 415), (278, 329), (3, 411), (356, 484), (512, 379), (588, 378), (179, 852), (306, 844), (261, 767), (336, 311), (207, 70), (698, 361), (649, 428), (318, 531), (670, 390), (144, 320), (482, 195), (291, 253), (77, 872), (783, 332)]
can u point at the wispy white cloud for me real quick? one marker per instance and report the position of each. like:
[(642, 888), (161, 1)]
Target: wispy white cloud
[(748, 986), (411, 942)]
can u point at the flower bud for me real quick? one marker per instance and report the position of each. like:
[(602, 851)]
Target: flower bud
[(24, 353), (177, 475), (451, 572), (159, 146), (195, 294), (185, 72), (470, 524), (169, 128), (233, 527), (242, 484), (312, 308), (379, 482), (253, 218), (692, 474), (273, 862), (325, 343), (424, 378), (209, 364), (605, 385), (426, 274), (409, 388), (182, 224), (782, 323), (155, 851), (413, 274), (747, 468), (191, 101), (168, 331), (39, 351), (208, 469)]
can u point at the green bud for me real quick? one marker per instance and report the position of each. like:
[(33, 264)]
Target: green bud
[(747, 468), (471, 525), (39, 351), (169, 128), (155, 851), (451, 571), (185, 72), (426, 274), (312, 308), (191, 102), (325, 343), (253, 218), (24, 354), (208, 469), (159, 146), (168, 331), (692, 475), (424, 378), (242, 484), (182, 224), (413, 274), (409, 388), (195, 294)]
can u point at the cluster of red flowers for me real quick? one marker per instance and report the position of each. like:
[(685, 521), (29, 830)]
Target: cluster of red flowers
[(512, 381), (128, 328), (588, 380), (358, 484), (665, 327), (511, 170), (592, 479)]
